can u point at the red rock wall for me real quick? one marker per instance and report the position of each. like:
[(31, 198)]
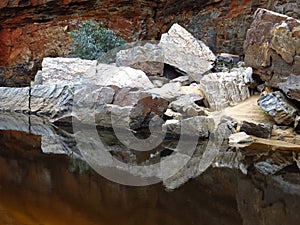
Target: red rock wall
[(33, 29)]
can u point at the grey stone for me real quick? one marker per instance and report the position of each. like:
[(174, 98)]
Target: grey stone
[(168, 91), (14, 99), (278, 106), (158, 81), (200, 126), (225, 62), (273, 164), (174, 115), (226, 88), (52, 100), (186, 105)]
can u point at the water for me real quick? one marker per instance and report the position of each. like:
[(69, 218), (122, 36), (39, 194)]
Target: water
[(39, 187)]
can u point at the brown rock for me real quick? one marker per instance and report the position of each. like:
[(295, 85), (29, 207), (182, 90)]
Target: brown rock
[(271, 48), (258, 130)]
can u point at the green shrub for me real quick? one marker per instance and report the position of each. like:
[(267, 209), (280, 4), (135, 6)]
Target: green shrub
[(92, 40)]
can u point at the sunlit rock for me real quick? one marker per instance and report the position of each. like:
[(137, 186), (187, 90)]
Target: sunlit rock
[(122, 77), (240, 138), (183, 51), (74, 71)]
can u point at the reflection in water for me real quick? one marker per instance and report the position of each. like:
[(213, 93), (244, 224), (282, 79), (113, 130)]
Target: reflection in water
[(239, 187)]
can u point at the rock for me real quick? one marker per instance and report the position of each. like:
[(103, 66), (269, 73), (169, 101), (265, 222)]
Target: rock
[(168, 91), (111, 106), (158, 81), (273, 164), (172, 126), (225, 88), (122, 77), (191, 89), (240, 138), (21, 75), (260, 88), (195, 126), (148, 58), (277, 106), (225, 62), (195, 110), (174, 115), (68, 71), (184, 80), (90, 104), (72, 71), (291, 86), (183, 51), (14, 99), (51, 100), (258, 130), (272, 49), (297, 124), (184, 101)]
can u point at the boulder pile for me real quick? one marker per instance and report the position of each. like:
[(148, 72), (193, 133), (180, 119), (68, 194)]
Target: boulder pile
[(174, 81)]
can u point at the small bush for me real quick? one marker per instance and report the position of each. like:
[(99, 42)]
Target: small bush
[(92, 40)]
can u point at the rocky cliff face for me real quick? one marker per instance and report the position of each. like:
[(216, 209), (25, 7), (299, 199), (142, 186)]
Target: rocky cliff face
[(33, 29)]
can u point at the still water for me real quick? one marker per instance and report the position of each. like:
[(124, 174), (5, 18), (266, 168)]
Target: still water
[(39, 187)]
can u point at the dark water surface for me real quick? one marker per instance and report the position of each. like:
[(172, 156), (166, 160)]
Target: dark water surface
[(54, 189)]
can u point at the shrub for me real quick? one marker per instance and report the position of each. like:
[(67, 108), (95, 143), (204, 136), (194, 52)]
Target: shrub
[(92, 40)]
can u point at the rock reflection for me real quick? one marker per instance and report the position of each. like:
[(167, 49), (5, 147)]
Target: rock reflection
[(229, 185)]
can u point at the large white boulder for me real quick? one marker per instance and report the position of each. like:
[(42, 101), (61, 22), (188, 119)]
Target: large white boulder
[(66, 71), (73, 71), (185, 52)]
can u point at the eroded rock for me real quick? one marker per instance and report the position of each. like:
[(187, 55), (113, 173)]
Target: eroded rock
[(14, 99), (68, 71), (272, 49), (278, 106), (225, 88)]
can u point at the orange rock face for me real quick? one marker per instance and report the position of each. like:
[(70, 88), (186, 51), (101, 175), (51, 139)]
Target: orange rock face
[(33, 29)]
